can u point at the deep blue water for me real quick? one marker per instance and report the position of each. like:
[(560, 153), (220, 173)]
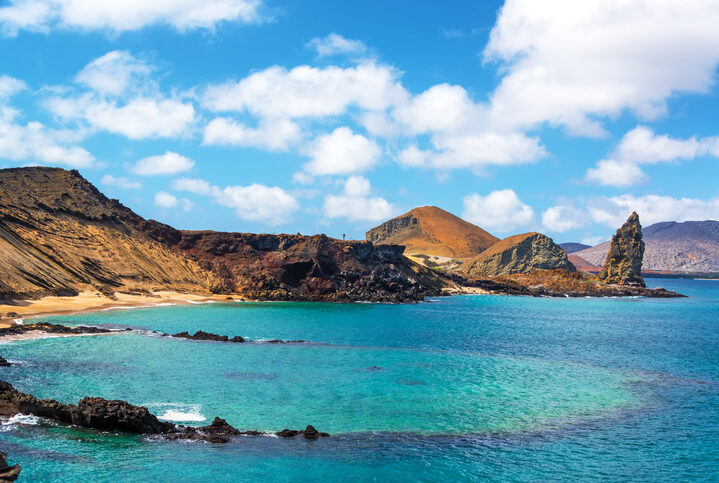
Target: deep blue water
[(458, 389)]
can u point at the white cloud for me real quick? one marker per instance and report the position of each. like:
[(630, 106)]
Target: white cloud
[(562, 218), (257, 202), (112, 72), (126, 183), (440, 108), (642, 146), (308, 92), (193, 185), (10, 86), (615, 173), (341, 152), (140, 118), (568, 61), (355, 204), (182, 15), (271, 134), (474, 151), (335, 44), (36, 143), (165, 200), (613, 211), (500, 210), (168, 163)]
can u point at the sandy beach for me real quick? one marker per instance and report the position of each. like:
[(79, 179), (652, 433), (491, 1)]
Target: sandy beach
[(94, 301)]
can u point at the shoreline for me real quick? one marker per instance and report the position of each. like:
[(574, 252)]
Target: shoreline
[(95, 302)]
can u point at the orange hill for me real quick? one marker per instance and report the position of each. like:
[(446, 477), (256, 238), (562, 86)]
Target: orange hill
[(433, 231)]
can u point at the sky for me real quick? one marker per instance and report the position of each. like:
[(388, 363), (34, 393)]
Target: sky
[(331, 117)]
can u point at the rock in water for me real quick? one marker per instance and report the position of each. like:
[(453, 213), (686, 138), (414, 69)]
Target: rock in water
[(626, 252), (7, 472), (519, 254)]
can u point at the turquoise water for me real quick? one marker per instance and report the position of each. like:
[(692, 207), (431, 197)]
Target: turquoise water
[(460, 388)]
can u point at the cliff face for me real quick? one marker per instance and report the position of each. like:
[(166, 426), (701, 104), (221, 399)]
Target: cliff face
[(433, 231), (295, 267), (59, 234), (519, 254), (623, 264), (691, 246)]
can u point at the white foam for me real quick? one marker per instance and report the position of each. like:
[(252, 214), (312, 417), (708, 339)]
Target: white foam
[(119, 307), (163, 304), (197, 302), (179, 412), (18, 321), (22, 419)]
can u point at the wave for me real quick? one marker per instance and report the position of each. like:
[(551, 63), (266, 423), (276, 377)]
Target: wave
[(22, 419), (179, 412), (195, 302)]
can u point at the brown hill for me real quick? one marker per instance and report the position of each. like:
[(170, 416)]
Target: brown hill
[(519, 254), (60, 235), (582, 264), (433, 231)]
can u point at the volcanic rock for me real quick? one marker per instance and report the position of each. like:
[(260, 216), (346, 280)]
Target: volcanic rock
[(7, 472), (623, 265), (432, 231), (4, 362), (519, 254)]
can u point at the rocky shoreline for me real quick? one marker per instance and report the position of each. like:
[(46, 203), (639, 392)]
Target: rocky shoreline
[(121, 416), (209, 336)]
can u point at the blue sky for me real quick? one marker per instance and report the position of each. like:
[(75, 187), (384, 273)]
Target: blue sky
[(331, 117)]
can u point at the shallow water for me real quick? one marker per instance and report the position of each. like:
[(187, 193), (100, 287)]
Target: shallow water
[(461, 388)]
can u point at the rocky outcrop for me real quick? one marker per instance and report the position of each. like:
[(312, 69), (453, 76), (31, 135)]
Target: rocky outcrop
[(687, 247), (60, 235), (209, 336), (49, 328), (518, 254), (7, 472), (623, 265), (315, 268), (117, 415), (432, 231), (4, 362)]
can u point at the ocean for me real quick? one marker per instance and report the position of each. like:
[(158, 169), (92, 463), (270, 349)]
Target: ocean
[(462, 388)]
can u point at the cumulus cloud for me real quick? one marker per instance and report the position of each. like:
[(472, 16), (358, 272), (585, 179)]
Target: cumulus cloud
[(642, 146), (10, 86), (164, 199), (121, 182), (335, 44), (307, 92), (271, 134), (182, 15), (113, 72), (165, 164), (140, 118), (193, 185), (562, 218), (500, 210), (474, 151), (34, 142), (440, 108), (256, 202), (341, 152), (569, 62), (356, 204), (613, 211)]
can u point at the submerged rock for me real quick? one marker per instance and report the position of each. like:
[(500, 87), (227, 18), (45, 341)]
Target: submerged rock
[(7, 472), (53, 329), (626, 253), (309, 433)]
